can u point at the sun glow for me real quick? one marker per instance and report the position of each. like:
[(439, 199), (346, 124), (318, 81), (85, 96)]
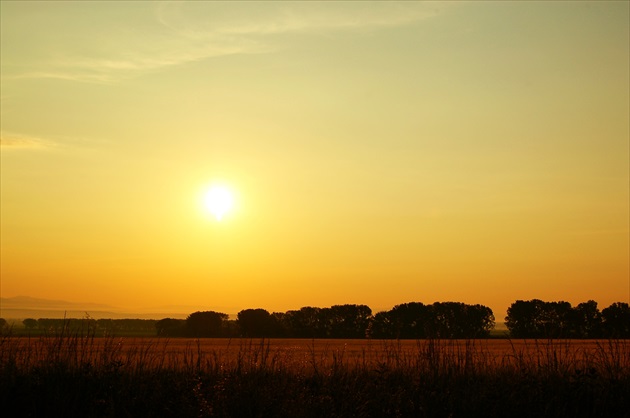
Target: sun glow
[(218, 201)]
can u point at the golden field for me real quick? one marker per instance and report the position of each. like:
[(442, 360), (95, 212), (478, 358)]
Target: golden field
[(309, 355)]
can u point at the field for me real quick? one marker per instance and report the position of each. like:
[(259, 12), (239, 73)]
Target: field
[(83, 376)]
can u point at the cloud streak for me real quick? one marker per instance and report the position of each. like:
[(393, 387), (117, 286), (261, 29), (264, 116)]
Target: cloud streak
[(18, 141), (282, 18), (177, 33)]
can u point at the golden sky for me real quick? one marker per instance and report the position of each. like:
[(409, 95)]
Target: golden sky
[(378, 152)]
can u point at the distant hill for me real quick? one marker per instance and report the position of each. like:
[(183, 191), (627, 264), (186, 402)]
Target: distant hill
[(20, 307)]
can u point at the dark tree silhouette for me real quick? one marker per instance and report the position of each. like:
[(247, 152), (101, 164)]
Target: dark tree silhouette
[(255, 323), (305, 323), (586, 320), (169, 327), (523, 318), (439, 320), (381, 326), (446, 320), (348, 321), (555, 319), (537, 319), (410, 320), (279, 326), (206, 324), (230, 329), (30, 323), (616, 320), (479, 321)]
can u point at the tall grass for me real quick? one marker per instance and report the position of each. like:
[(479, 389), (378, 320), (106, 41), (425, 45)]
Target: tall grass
[(78, 375)]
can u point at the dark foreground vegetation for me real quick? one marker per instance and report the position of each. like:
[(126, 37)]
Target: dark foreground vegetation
[(72, 375)]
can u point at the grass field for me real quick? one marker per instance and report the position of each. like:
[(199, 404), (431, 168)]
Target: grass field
[(72, 375)]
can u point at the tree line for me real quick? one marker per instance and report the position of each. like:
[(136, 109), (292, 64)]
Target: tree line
[(408, 320), (87, 325), (538, 319), (414, 320)]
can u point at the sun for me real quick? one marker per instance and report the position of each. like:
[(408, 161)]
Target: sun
[(218, 201)]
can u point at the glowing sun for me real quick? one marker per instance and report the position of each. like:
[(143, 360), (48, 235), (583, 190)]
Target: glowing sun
[(218, 200)]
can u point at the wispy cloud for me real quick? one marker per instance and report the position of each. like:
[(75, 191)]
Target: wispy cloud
[(17, 141), (313, 17), (176, 33), (64, 74), (283, 17)]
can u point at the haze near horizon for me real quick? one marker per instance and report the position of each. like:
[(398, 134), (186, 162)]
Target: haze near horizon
[(373, 152)]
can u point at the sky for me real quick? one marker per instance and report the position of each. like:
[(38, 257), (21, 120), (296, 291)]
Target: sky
[(377, 152)]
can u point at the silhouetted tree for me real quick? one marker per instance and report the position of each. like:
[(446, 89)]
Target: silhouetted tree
[(521, 319), (3, 324), (479, 321), (381, 326), (170, 327), (556, 319), (348, 321), (537, 319), (305, 323), (49, 325), (616, 320), (410, 320), (30, 323), (255, 323), (447, 320), (324, 322), (231, 328), (439, 320), (206, 324), (279, 326), (107, 326), (586, 320)]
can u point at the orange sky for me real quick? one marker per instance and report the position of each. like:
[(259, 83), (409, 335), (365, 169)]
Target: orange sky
[(379, 153)]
